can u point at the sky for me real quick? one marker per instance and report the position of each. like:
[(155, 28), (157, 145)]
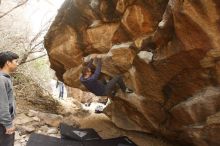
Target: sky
[(39, 12)]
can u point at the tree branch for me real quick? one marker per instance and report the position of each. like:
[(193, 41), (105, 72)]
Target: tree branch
[(32, 59), (12, 9), (36, 45)]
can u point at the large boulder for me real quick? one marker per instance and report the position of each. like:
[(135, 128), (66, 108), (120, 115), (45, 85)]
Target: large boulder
[(167, 51)]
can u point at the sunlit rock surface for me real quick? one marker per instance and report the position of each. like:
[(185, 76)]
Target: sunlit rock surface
[(167, 52)]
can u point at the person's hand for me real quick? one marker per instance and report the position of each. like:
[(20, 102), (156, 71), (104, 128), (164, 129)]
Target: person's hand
[(10, 130), (86, 59), (93, 56)]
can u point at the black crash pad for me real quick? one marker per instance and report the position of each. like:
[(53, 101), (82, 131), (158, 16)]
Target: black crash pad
[(119, 141), (69, 132), (44, 140)]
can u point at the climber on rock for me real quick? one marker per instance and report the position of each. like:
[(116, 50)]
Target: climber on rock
[(90, 79)]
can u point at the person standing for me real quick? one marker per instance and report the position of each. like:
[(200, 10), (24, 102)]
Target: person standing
[(8, 64), (60, 86)]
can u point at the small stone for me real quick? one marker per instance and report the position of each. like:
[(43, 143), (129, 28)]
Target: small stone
[(54, 135), (52, 120), (44, 128), (17, 144), (36, 119), (52, 131), (22, 119), (28, 128), (23, 136), (32, 113), (22, 140), (17, 136)]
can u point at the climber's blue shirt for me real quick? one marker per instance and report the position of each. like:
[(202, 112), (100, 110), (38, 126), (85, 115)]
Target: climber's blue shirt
[(92, 83)]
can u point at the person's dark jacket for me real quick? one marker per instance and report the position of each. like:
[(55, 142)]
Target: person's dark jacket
[(7, 101), (92, 83)]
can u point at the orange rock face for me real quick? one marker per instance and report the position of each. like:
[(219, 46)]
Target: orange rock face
[(167, 51)]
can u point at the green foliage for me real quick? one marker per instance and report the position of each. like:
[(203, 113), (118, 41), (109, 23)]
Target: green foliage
[(39, 71), (40, 65)]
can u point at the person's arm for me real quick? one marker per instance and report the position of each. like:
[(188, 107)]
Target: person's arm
[(90, 63), (5, 116), (97, 70)]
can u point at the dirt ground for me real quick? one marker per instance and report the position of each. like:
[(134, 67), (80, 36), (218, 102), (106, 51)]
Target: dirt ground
[(88, 119), (104, 126)]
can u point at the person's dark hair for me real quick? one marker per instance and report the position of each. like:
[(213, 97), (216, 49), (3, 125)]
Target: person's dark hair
[(7, 56), (85, 69), (91, 66)]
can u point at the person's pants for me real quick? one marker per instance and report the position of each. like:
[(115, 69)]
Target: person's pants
[(61, 92), (111, 85), (61, 95), (5, 139)]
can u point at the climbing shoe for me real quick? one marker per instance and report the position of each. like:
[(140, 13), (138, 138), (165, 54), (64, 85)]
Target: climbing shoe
[(99, 109)]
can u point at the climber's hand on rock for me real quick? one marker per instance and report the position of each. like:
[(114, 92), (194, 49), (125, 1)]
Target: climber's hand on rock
[(93, 56)]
